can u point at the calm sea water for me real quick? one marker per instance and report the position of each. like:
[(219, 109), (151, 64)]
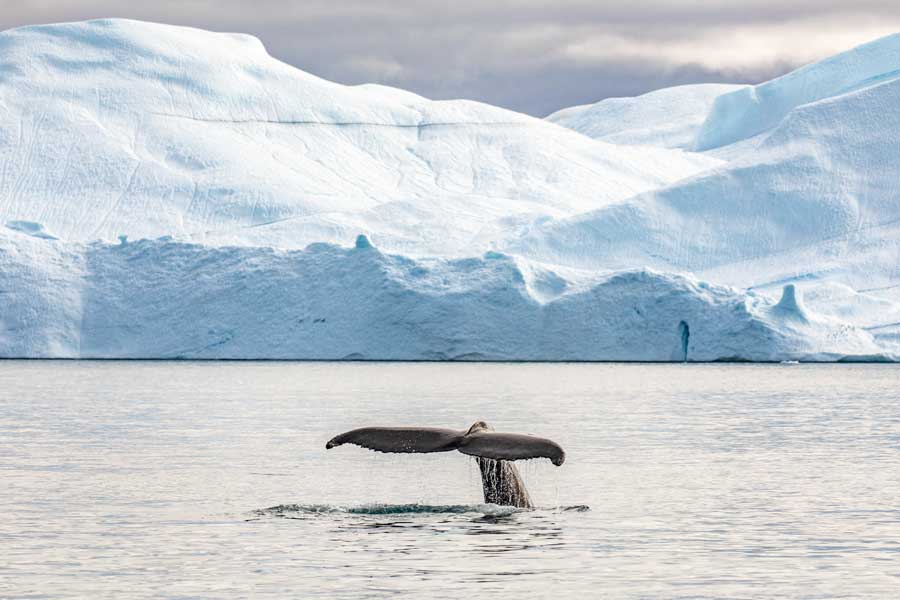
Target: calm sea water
[(150, 480)]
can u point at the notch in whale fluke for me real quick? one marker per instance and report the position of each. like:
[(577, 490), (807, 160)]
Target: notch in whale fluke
[(479, 440)]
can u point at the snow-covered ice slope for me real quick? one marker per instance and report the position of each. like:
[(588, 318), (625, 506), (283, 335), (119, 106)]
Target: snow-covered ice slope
[(491, 234), (825, 175), (749, 111), (667, 118), (118, 127)]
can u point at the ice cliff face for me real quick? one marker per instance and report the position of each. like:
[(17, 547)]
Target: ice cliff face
[(174, 300), (488, 234)]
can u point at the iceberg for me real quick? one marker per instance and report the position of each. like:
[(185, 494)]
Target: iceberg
[(750, 111), (168, 192), (667, 118), (117, 127), (169, 299)]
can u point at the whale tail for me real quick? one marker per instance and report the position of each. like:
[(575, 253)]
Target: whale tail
[(399, 439), (494, 452), (484, 442), (480, 440)]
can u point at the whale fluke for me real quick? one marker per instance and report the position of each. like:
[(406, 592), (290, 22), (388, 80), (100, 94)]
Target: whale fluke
[(500, 479), (479, 440), (511, 446), (400, 439)]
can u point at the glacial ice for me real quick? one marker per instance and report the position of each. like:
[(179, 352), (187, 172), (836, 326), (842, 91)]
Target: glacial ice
[(169, 192), (170, 299), (749, 111), (31, 228), (118, 127), (668, 118)]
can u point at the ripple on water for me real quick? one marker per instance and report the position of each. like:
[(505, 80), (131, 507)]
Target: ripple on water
[(288, 511), (716, 481)]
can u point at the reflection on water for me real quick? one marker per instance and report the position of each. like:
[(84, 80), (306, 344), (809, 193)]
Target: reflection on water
[(145, 480), (516, 528)]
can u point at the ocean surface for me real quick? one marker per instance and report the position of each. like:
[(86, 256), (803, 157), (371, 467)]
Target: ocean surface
[(206, 479)]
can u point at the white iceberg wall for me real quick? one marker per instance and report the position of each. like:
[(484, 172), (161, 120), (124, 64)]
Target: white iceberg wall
[(163, 299), (41, 297)]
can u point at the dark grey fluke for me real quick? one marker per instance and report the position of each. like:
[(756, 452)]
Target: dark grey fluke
[(500, 479)]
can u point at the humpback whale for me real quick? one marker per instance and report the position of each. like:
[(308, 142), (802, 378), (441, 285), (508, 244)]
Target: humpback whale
[(494, 452)]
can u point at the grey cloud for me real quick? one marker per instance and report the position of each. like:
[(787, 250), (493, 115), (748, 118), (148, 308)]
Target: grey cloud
[(530, 55)]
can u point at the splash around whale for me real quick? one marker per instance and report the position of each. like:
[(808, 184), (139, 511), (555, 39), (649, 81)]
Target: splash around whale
[(494, 451), (483, 511)]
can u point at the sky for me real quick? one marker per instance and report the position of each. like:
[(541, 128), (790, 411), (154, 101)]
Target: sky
[(534, 56)]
